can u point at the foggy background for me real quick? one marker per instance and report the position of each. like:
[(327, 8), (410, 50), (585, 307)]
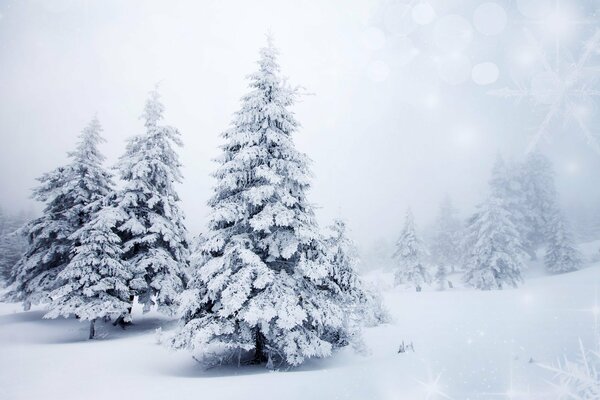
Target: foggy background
[(403, 110)]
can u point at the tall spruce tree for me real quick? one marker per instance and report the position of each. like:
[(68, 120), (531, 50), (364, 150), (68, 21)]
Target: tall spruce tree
[(494, 259), (263, 289), (67, 191), (150, 222), (561, 254), (445, 246), (410, 255)]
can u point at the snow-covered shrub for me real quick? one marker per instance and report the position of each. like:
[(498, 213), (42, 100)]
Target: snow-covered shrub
[(561, 253), (371, 309)]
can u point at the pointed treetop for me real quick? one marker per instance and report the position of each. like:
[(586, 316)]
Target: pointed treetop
[(409, 219), (89, 138), (153, 111), (270, 39)]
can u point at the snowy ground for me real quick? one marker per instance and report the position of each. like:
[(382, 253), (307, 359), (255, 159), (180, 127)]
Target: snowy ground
[(475, 345)]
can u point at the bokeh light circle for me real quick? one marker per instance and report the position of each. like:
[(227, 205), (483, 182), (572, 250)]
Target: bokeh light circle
[(452, 33), (485, 73), (489, 19)]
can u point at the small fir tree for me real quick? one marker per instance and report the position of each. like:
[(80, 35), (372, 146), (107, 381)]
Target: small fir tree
[(441, 277), (561, 254), (410, 254), (445, 246), (495, 257), (362, 302)]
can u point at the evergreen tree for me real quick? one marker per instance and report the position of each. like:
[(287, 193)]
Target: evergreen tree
[(441, 276), (265, 289), (495, 256), (506, 184), (363, 304), (409, 256), (561, 254), (151, 223), (445, 247), (343, 260), (95, 283), (540, 199), (67, 192)]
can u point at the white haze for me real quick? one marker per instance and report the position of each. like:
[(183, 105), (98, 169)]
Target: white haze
[(384, 131)]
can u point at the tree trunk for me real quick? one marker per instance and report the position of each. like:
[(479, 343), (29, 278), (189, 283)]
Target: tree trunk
[(131, 298), (259, 348), (92, 328), (121, 320)]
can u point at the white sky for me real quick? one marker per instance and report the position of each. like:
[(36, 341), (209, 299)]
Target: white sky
[(396, 118)]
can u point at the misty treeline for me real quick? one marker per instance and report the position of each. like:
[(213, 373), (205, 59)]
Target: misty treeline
[(265, 284), (520, 215), (13, 244)]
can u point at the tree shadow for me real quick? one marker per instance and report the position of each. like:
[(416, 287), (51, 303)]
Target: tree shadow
[(190, 368), (72, 331), (22, 316), (193, 369), (106, 331)]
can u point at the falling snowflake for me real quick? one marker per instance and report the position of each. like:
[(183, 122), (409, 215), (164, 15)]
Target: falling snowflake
[(432, 388), (566, 92)]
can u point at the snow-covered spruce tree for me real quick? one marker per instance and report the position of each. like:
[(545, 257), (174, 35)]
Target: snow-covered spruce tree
[(67, 192), (561, 254), (343, 260), (363, 304), (151, 223), (506, 184), (95, 283), (445, 246), (265, 290), (540, 198), (409, 256), (495, 254)]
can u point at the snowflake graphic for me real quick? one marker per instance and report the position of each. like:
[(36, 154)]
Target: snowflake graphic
[(566, 89), (566, 92)]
